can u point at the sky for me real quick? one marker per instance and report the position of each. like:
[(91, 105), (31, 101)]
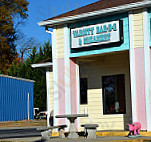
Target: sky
[(40, 10)]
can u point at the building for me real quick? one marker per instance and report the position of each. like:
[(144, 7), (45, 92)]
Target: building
[(47, 63), (16, 98), (101, 63)]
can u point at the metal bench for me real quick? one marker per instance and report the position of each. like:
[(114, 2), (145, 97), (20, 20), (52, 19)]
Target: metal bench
[(46, 132), (90, 130)]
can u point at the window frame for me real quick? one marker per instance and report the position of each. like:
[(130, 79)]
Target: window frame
[(84, 102), (124, 95)]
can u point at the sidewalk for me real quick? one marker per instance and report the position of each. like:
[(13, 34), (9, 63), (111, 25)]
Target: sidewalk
[(82, 139), (102, 136)]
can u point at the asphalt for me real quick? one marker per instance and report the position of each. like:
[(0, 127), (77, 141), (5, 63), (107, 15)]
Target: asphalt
[(7, 133)]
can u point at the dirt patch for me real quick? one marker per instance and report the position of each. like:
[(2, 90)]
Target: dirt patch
[(23, 123)]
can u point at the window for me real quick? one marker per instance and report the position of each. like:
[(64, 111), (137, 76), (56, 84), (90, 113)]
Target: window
[(113, 94), (83, 90)]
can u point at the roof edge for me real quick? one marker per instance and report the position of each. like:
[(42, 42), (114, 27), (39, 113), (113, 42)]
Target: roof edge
[(40, 65), (17, 78), (69, 19)]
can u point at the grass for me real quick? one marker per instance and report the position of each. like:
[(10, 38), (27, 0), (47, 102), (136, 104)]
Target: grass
[(23, 123)]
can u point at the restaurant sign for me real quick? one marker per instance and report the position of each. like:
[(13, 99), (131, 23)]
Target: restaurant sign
[(98, 34)]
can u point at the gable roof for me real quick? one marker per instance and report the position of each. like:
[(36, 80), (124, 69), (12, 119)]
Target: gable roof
[(99, 5), (99, 8)]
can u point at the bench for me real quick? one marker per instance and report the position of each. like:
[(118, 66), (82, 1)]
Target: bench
[(46, 132), (90, 130)]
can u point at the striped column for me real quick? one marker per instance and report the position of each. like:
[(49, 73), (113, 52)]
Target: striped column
[(60, 72), (147, 68), (74, 89), (137, 67), (48, 96), (65, 76), (71, 78), (54, 58), (132, 71), (67, 73), (67, 70)]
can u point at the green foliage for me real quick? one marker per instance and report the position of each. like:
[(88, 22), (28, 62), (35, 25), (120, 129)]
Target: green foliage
[(24, 70), (8, 10)]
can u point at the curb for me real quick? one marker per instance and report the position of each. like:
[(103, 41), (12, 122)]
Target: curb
[(111, 134), (125, 133)]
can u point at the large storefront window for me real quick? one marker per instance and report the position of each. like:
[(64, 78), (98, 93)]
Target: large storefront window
[(83, 91), (114, 94)]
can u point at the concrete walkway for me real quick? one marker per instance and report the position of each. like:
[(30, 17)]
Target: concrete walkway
[(30, 134)]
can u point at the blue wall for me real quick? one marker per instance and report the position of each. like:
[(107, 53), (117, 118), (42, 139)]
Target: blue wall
[(102, 48), (14, 99)]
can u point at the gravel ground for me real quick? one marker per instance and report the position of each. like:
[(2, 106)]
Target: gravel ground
[(23, 123)]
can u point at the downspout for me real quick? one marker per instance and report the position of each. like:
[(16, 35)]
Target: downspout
[(47, 31)]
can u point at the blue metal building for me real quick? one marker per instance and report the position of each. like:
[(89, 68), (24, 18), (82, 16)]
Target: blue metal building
[(16, 98)]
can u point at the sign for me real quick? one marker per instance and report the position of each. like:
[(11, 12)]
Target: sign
[(98, 34)]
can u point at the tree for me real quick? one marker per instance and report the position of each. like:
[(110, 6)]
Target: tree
[(9, 9), (25, 46), (24, 70)]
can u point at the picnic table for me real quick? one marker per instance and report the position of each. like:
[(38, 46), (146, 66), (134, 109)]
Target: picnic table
[(72, 118)]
